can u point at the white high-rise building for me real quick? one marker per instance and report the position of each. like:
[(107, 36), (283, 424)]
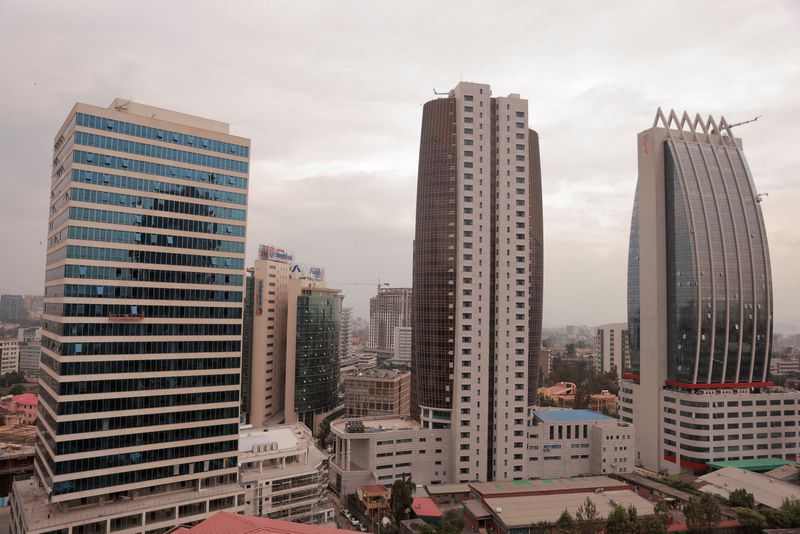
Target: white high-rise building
[(611, 348), (477, 279), (390, 308)]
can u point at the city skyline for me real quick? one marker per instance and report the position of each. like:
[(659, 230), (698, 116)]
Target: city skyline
[(368, 168)]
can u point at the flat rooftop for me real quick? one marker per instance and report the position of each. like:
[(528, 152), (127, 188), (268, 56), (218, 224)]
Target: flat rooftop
[(766, 490), (557, 415), (285, 437), (378, 424), (523, 511), (532, 487), (18, 434), (446, 489), (761, 465)]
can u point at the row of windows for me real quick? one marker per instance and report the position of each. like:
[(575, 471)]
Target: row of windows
[(133, 477), (160, 152), (173, 312), (151, 221), (138, 366), (143, 329), (146, 384), (137, 130), (141, 439), (156, 169), (117, 348), (135, 458), (153, 186), (144, 256), (142, 293), (156, 240), (156, 204), (144, 275), (145, 402), (145, 420)]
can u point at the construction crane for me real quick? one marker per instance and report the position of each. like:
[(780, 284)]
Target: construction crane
[(380, 284), (734, 125)]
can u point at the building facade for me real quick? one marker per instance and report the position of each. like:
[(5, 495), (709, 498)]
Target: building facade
[(377, 392), (478, 278), (295, 325), (611, 350), (382, 449), (9, 355), (284, 474), (140, 365), (699, 300), (11, 308), (402, 344), (390, 308), (29, 356), (346, 334)]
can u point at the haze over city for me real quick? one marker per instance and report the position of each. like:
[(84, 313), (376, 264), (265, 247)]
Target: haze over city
[(330, 94)]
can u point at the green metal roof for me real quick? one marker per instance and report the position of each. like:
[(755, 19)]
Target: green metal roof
[(759, 466)]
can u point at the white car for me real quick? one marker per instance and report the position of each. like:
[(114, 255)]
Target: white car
[(362, 528), (353, 521)]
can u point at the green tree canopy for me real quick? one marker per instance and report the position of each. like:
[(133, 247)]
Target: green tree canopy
[(566, 524), (752, 521), (401, 498), (702, 514), (739, 498)]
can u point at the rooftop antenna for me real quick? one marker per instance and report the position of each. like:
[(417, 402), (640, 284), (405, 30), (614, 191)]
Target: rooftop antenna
[(760, 197)]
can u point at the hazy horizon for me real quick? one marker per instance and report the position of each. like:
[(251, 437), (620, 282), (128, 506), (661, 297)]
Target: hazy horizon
[(331, 95)]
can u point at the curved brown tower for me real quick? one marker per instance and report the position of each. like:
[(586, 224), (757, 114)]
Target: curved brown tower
[(434, 258)]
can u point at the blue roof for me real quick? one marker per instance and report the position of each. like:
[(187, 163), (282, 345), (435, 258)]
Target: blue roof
[(566, 414)]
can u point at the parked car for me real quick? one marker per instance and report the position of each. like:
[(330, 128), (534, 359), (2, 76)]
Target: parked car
[(362, 528), (355, 522)]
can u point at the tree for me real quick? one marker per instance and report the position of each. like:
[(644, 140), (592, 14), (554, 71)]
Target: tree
[(739, 498), (401, 498), (653, 524), (791, 510), (565, 524), (752, 521), (587, 518), (324, 437), (702, 514), (619, 522)]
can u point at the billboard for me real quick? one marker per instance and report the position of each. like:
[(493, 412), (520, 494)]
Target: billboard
[(301, 270), (268, 252)]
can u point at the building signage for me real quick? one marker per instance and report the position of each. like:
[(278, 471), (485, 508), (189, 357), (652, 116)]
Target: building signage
[(268, 252), (300, 270), (260, 297)]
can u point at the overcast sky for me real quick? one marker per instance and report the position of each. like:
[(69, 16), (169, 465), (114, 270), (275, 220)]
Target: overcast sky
[(330, 94)]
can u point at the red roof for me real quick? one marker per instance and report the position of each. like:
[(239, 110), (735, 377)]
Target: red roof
[(228, 523), (374, 489), (425, 507), (29, 399)]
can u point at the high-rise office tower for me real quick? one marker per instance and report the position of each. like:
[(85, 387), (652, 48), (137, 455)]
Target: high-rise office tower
[(478, 279), (390, 308), (346, 334), (611, 351), (292, 358), (700, 305), (141, 347)]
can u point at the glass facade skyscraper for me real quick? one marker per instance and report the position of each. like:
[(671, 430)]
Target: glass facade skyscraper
[(699, 303), (141, 350)]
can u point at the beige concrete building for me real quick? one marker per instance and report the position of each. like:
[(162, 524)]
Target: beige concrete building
[(611, 349), (9, 355), (390, 308), (284, 474), (293, 354), (141, 349), (402, 344), (566, 443), (477, 278), (379, 450), (377, 392)]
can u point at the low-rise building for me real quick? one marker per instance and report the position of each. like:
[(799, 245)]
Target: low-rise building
[(565, 443), (26, 404), (766, 491), (522, 506), (228, 523), (784, 367), (31, 334), (603, 402), (284, 474), (378, 392), (9, 355), (562, 394), (380, 450)]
